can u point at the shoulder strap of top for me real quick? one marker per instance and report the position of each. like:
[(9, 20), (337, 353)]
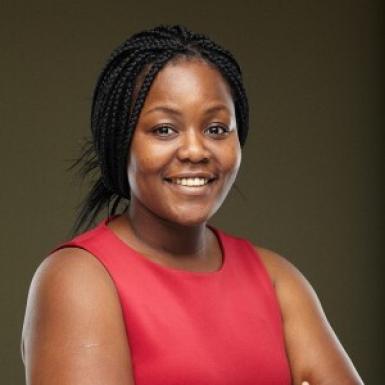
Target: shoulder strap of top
[(255, 269)]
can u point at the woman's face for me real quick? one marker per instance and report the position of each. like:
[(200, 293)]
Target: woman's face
[(186, 134)]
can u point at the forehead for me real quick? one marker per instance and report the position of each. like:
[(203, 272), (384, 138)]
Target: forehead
[(189, 80)]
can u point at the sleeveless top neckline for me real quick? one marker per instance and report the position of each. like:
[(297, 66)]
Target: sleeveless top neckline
[(166, 269)]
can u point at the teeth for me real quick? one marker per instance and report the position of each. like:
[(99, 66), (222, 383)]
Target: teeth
[(191, 181)]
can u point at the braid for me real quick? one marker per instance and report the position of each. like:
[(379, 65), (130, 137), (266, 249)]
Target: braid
[(240, 100), (124, 143), (115, 116), (116, 109)]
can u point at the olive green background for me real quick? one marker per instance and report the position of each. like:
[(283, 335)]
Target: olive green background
[(310, 185)]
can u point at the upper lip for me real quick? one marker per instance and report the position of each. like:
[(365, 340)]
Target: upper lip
[(197, 174)]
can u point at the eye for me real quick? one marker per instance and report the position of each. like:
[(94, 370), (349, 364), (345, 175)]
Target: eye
[(163, 131), (218, 130)]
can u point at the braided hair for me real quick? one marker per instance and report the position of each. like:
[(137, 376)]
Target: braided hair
[(118, 98)]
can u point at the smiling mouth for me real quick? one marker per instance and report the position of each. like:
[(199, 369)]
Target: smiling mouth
[(190, 182)]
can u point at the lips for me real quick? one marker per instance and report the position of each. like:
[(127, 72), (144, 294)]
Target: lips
[(197, 174), (195, 182), (192, 185), (201, 175)]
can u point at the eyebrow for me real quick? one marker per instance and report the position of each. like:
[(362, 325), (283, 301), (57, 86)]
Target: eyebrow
[(173, 111)]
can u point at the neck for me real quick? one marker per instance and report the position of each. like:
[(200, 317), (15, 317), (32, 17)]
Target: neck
[(167, 237)]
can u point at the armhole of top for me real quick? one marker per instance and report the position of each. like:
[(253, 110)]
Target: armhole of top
[(268, 278), (261, 263)]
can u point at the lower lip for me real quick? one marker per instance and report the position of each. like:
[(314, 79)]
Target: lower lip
[(191, 190)]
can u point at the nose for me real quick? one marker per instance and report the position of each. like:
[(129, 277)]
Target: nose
[(193, 147)]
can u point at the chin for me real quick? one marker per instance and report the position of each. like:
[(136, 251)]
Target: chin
[(194, 223), (196, 216), (188, 220)]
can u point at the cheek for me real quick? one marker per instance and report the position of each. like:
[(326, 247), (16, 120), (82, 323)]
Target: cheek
[(140, 168), (145, 163), (231, 158)]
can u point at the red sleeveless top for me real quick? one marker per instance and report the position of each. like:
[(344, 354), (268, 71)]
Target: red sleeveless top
[(195, 328)]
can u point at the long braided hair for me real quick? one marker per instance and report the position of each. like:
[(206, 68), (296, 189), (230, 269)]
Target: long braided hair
[(118, 98)]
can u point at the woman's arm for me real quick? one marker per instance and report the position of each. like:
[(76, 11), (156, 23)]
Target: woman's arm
[(314, 352), (73, 331)]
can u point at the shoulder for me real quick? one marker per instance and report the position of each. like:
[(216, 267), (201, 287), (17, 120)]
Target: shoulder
[(70, 270), (314, 351), (292, 288), (72, 304), (280, 269), (68, 281)]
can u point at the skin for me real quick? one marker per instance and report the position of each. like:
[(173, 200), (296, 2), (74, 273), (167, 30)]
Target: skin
[(80, 339)]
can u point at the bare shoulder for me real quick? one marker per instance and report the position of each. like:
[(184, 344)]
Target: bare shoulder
[(278, 267), (314, 351), (291, 286), (73, 320), (65, 262), (69, 277), (71, 269)]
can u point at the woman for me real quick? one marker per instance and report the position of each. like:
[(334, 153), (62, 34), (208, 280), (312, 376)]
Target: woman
[(155, 295)]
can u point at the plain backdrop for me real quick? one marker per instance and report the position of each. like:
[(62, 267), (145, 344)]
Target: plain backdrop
[(310, 180)]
